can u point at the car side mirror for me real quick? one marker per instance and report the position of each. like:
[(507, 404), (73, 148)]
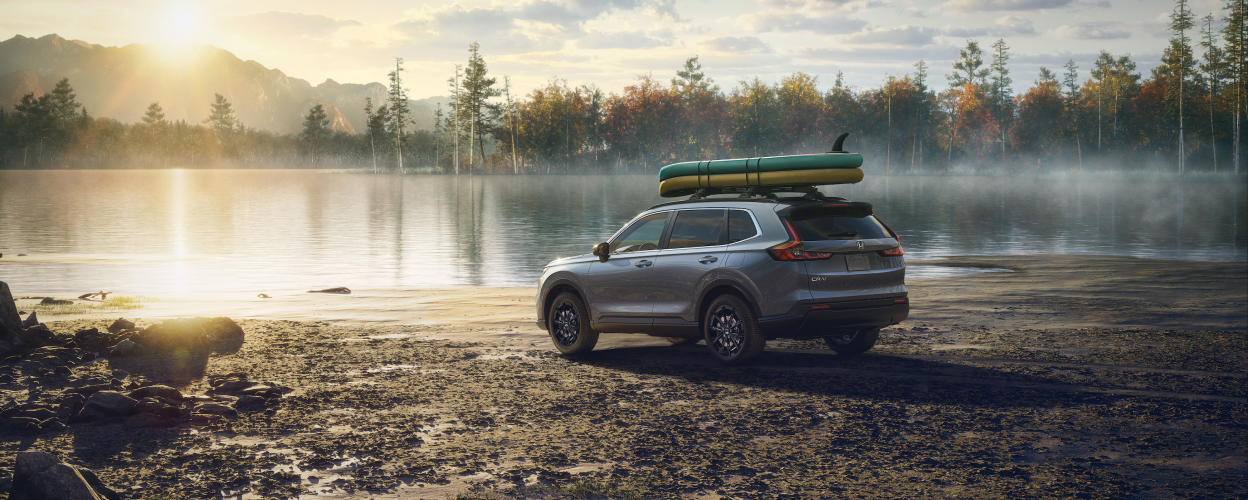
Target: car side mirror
[(602, 251)]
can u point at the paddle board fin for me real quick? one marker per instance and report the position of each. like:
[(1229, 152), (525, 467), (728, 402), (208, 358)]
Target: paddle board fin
[(839, 145)]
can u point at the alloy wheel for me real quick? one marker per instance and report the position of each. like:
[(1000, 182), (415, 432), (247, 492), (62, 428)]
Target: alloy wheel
[(727, 333), (567, 326), (843, 338)]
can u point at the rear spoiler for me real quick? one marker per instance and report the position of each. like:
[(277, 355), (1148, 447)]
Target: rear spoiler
[(808, 211)]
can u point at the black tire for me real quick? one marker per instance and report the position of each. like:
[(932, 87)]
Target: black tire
[(568, 324), (853, 342), (682, 340), (731, 330)]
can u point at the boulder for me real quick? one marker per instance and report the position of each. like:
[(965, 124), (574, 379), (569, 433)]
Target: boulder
[(206, 419), (157, 391), (187, 333), (120, 325), (62, 370), (31, 320), (5, 348), (10, 322), (214, 409), (106, 404), (49, 301), (147, 421), (123, 349), (38, 413), (233, 386), (41, 476)]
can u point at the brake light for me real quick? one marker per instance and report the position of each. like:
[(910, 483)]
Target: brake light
[(892, 252), (792, 249)]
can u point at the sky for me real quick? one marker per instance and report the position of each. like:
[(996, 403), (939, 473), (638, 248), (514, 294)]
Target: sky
[(610, 42)]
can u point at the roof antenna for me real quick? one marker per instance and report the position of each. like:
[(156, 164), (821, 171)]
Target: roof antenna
[(839, 145)]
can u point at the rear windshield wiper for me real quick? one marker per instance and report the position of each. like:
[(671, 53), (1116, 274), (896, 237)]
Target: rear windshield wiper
[(844, 234)]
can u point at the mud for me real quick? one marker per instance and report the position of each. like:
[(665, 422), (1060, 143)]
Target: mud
[(945, 406)]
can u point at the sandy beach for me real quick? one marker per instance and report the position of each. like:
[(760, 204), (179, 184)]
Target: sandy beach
[(1068, 376)]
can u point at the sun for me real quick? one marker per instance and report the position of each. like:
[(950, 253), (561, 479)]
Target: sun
[(181, 24)]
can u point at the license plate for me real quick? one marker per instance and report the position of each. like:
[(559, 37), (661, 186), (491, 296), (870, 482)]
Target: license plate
[(858, 262)]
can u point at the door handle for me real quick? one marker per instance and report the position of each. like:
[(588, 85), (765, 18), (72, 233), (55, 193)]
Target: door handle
[(708, 259), (643, 263)]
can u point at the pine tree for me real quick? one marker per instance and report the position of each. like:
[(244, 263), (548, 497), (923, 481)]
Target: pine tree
[(315, 130), (1180, 22), (1000, 88), (478, 89), (920, 85), (1235, 33), (399, 113), (221, 120), (1071, 82), (369, 116), (968, 62), (154, 115), (1214, 67)]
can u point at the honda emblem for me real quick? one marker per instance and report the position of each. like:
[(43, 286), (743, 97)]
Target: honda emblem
[(861, 245)]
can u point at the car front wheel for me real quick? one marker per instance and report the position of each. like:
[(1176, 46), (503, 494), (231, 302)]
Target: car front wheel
[(853, 342), (569, 325), (731, 330)]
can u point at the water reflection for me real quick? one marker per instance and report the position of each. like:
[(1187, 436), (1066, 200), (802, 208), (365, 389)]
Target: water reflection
[(201, 230)]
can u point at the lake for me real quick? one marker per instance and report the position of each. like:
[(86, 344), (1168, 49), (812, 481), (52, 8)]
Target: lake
[(191, 231)]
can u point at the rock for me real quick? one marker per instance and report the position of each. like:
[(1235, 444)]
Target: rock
[(52, 424), (6, 379), (340, 289), (63, 370), (41, 476), (90, 389), (49, 301), (214, 409), (120, 325), (157, 391), (90, 356), (106, 404), (5, 348), (10, 322), (250, 403), (233, 386), (38, 414), (19, 423), (30, 321), (187, 333), (123, 349), (148, 420)]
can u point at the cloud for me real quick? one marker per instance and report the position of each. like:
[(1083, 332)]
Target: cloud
[(906, 35), (744, 44), (763, 22), (1004, 26), (620, 40), (993, 5), (1091, 31), (287, 24)]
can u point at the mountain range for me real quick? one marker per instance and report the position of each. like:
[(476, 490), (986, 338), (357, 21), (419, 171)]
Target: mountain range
[(120, 83)]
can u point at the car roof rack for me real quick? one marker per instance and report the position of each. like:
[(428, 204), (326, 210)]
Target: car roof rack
[(769, 192)]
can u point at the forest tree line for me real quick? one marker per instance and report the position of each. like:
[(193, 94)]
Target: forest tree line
[(1184, 116)]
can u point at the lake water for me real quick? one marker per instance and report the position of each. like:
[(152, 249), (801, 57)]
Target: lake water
[(187, 231)]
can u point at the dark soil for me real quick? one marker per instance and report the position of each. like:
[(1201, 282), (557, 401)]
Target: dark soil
[(932, 411)]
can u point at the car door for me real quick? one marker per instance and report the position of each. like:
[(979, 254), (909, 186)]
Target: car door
[(694, 251), (619, 291)]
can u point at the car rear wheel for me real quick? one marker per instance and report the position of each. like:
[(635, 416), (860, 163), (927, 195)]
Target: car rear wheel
[(568, 325), (682, 340), (849, 343), (731, 330)]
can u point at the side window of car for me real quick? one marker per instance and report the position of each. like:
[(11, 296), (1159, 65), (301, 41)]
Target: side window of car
[(697, 228), (641, 235), (740, 226)]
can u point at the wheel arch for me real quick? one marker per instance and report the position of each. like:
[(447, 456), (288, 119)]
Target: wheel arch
[(721, 287), (557, 287)]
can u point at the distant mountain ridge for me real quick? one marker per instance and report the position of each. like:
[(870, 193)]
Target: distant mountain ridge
[(120, 82)]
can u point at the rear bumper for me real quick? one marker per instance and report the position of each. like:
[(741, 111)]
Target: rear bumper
[(821, 320)]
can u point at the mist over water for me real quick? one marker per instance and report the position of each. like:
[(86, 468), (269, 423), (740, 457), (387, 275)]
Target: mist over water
[(187, 231)]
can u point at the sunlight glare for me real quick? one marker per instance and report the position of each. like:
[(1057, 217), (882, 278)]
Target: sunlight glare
[(181, 26)]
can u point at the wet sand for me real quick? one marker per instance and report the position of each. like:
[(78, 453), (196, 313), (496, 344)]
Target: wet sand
[(1072, 376)]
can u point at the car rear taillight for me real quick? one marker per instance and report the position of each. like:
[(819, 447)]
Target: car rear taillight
[(792, 249), (892, 252)]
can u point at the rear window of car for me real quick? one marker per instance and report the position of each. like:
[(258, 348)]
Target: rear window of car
[(838, 227)]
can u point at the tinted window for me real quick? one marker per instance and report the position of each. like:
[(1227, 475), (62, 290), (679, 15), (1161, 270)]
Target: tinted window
[(642, 235), (740, 226), (696, 228), (829, 227)]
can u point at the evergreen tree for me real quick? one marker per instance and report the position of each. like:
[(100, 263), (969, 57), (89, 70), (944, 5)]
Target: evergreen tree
[(1180, 22), (1000, 89), (478, 88), (315, 130), (968, 62), (920, 85), (222, 122), (399, 113), (1214, 67), (155, 115), (1073, 96), (1235, 33)]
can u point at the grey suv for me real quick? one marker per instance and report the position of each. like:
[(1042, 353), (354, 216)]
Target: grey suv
[(734, 272)]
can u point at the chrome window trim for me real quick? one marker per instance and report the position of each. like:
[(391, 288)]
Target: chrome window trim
[(758, 230)]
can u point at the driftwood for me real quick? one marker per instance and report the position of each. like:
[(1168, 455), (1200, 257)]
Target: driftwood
[(341, 289), (88, 296), (264, 296)]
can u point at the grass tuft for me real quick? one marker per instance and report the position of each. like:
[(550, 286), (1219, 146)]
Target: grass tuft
[(118, 303)]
